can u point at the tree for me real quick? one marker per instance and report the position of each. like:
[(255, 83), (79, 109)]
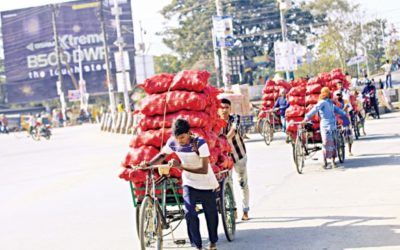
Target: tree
[(256, 27), (167, 64)]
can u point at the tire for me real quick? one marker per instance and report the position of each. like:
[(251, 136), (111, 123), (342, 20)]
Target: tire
[(299, 155), (340, 147), (259, 126), (150, 228), (137, 215), (357, 129), (35, 135), (228, 211), (267, 133)]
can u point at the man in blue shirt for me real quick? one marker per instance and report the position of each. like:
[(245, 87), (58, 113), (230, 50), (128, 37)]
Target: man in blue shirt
[(282, 104)]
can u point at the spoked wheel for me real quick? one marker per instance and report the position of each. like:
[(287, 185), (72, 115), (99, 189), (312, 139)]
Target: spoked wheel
[(299, 155), (340, 147), (137, 215), (260, 126), (150, 228), (267, 133), (228, 211), (35, 135)]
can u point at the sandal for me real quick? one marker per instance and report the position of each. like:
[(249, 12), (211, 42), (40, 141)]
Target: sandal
[(213, 246)]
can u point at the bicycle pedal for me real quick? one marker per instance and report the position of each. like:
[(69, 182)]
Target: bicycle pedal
[(180, 242)]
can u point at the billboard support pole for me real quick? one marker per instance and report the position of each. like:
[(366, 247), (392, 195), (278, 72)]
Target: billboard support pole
[(58, 55), (120, 43), (107, 61), (224, 53)]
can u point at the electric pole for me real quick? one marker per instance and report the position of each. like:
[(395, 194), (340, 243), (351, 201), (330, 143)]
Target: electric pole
[(283, 6), (120, 43), (107, 60), (143, 49), (224, 52), (60, 90)]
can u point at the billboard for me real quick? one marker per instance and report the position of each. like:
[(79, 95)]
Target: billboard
[(29, 47)]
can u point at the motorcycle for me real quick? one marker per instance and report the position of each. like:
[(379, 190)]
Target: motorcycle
[(367, 103), (41, 131)]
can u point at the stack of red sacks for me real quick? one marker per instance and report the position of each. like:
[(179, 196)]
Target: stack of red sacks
[(297, 100), (185, 95), (271, 94)]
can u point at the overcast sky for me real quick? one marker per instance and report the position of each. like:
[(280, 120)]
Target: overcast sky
[(148, 12)]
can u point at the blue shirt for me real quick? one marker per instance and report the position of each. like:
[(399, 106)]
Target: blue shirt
[(282, 104), (327, 110)]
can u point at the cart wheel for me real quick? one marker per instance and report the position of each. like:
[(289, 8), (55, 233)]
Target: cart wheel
[(228, 211), (150, 228), (340, 147), (137, 211), (267, 133), (299, 155)]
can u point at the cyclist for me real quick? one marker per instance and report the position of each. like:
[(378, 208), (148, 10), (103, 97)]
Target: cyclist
[(199, 181), (344, 105)]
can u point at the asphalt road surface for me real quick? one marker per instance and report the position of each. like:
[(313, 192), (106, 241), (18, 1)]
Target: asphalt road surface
[(65, 194)]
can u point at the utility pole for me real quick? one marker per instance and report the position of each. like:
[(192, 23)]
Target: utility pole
[(364, 47), (224, 52), (82, 83), (58, 56), (107, 60), (120, 43), (282, 9), (143, 48)]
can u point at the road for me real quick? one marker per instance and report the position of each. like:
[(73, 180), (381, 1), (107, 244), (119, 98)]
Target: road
[(65, 194)]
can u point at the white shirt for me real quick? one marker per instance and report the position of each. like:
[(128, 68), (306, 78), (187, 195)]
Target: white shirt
[(190, 160), (388, 68)]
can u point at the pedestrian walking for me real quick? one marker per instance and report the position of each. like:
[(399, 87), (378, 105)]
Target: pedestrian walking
[(388, 73), (239, 155), (326, 110)]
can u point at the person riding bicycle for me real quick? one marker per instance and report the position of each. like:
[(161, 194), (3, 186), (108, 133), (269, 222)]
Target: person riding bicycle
[(344, 105), (199, 181), (239, 154), (282, 104), (326, 109), (370, 92), (360, 108)]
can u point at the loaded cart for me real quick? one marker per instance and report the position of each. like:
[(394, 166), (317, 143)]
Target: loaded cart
[(159, 207)]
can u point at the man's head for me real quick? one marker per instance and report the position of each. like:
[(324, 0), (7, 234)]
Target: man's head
[(225, 108), (387, 61), (339, 85), (338, 95), (282, 92), (180, 130)]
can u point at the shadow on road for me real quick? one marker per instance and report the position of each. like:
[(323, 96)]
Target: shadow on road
[(334, 232), (373, 160), (379, 137)]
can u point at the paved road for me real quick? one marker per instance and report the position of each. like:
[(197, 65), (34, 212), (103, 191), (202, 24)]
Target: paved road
[(65, 194)]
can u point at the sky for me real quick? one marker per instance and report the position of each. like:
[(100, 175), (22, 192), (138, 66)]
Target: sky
[(147, 11)]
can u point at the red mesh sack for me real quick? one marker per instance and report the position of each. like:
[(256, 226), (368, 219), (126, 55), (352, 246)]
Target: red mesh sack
[(176, 101), (270, 89), (223, 144), (312, 99), (151, 138), (314, 89), (271, 96), (298, 82), (295, 111), (158, 83), (297, 100), (137, 155), (283, 84), (314, 80), (190, 80), (196, 119), (297, 91)]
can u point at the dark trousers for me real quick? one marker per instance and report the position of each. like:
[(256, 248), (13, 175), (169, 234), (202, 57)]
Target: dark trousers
[(207, 198), (389, 81), (374, 104)]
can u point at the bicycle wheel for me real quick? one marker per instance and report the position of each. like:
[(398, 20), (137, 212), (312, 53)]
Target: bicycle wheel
[(267, 133), (35, 135), (340, 147), (137, 214), (228, 211), (150, 225), (299, 155)]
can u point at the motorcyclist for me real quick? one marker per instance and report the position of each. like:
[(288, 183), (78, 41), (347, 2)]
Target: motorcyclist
[(370, 90)]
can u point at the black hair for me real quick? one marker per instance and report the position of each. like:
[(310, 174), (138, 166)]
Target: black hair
[(180, 126), (226, 101)]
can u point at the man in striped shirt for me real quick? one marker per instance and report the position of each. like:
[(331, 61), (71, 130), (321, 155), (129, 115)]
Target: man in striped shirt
[(239, 156)]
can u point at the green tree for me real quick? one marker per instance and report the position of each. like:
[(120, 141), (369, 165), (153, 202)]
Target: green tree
[(256, 27), (167, 64)]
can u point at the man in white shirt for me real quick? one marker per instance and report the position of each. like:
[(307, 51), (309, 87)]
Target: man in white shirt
[(199, 181), (388, 73)]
